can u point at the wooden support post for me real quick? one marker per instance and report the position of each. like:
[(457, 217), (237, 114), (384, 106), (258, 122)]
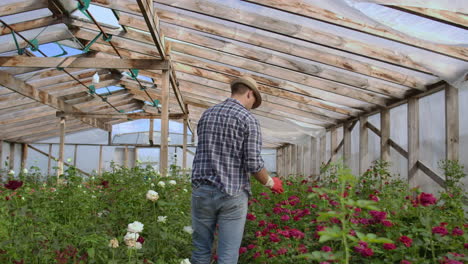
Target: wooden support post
[(334, 143), (61, 148), (184, 144), (24, 156), (100, 160), (385, 131), (314, 157), (347, 144), (294, 159), (126, 156), (279, 157), (299, 159), (75, 155), (151, 132), (287, 160), (163, 154), (413, 141), (451, 123), (323, 150), (11, 161), (1, 155), (136, 154), (363, 145), (109, 137), (49, 161)]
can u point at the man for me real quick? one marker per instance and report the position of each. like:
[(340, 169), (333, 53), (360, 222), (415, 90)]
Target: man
[(229, 146)]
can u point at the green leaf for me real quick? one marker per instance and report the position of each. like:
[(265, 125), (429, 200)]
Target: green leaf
[(91, 252)]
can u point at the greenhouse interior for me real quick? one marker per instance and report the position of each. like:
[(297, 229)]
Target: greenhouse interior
[(361, 120)]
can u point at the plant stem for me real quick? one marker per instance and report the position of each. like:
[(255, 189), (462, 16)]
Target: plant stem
[(343, 223)]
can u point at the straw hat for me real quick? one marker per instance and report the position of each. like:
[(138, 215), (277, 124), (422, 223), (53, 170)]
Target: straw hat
[(252, 85)]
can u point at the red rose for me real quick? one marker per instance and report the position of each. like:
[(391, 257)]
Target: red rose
[(406, 241), (326, 249), (439, 230), (13, 185), (389, 246), (242, 250), (457, 231), (141, 239), (426, 199)]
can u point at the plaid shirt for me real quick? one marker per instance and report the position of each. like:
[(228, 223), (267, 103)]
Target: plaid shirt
[(229, 146)]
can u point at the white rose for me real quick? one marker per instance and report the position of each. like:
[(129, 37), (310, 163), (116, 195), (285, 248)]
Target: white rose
[(114, 243), (69, 160), (161, 184), (93, 196), (135, 227), (152, 184), (11, 172), (188, 229), (185, 261), (25, 171), (152, 195), (185, 190), (130, 239), (162, 219), (172, 182), (138, 245)]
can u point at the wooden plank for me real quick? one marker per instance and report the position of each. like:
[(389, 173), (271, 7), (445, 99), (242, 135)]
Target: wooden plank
[(75, 154), (126, 156), (385, 135), (61, 148), (151, 131), (310, 68), (85, 63), (314, 157), (164, 151), (347, 144), (184, 148), (310, 52), (278, 72), (49, 161), (24, 156), (363, 145), (14, 7), (398, 148), (100, 160), (452, 125), (373, 129), (429, 172), (30, 24), (323, 149), (334, 144), (152, 22), (1, 154), (11, 160), (149, 116), (413, 142), (14, 84), (315, 12), (451, 18), (302, 32)]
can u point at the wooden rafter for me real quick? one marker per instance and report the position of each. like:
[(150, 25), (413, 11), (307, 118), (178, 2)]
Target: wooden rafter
[(86, 63), (14, 84), (315, 12)]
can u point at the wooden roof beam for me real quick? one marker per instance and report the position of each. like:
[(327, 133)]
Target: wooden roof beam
[(315, 12), (14, 84), (15, 7), (86, 63)]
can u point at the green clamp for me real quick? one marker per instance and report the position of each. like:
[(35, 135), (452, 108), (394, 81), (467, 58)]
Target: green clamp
[(129, 119), (142, 88), (20, 50), (104, 99), (92, 89), (35, 45), (107, 88), (134, 73), (109, 38), (86, 49), (83, 8), (121, 111), (60, 68), (64, 52), (156, 103)]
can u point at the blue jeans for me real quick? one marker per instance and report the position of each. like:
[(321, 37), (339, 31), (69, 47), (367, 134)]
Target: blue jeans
[(211, 207)]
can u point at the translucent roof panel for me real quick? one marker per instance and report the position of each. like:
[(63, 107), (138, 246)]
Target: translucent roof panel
[(101, 14)]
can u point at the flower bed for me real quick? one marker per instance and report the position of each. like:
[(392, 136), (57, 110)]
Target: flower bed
[(135, 216)]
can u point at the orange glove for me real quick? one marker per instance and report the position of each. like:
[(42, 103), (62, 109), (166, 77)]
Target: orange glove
[(277, 186)]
